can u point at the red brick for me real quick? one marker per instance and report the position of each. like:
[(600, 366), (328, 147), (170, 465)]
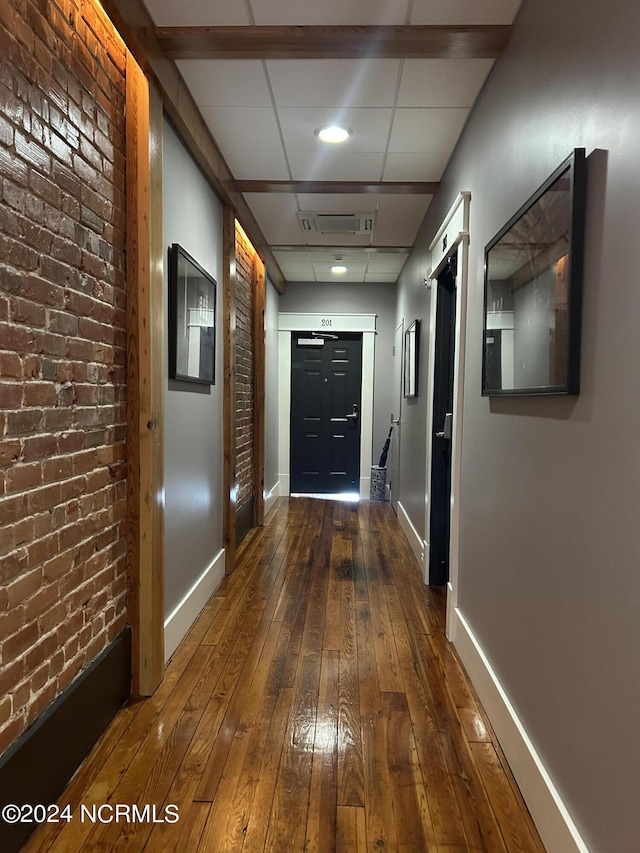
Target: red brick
[(40, 652), (10, 450), (10, 365), (20, 642), (10, 395), (21, 477), (58, 468), (62, 320), (39, 447), (40, 394), (43, 549)]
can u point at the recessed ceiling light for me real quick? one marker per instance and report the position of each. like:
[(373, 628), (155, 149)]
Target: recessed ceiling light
[(339, 269), (333, 133)]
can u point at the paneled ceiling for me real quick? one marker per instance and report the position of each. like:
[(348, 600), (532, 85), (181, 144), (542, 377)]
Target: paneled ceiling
[(401, 75)]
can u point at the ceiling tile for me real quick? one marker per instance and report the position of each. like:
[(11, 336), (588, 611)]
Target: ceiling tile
[(334, 82), (380, 278), (338, 203), (273, 12), (229, 127), (399, 218), (196, 13), (335, 166), (300, 276), (276, 216), (379, 262), (316, 239), (257, 165), (370, 129), (226, 82), (464, 12), (294, 260), (431, 129), (355, 272), (415, 166), (442, 82)]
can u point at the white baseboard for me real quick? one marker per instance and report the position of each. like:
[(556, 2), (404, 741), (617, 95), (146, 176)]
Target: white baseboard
[(365, 488), (558, 832), (415, 540), (271, 497), (185, 614), (284, 485)]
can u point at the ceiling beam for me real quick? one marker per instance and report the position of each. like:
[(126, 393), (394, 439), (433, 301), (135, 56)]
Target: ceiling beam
[(470, 41), (132, 20), (341, 187)]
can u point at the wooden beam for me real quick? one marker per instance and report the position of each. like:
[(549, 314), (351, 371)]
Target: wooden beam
[(145, 382), (351, 187), (470, 41), (136, 27)]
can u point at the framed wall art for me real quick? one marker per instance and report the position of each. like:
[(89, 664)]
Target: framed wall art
[(411, 340), (192, 319)]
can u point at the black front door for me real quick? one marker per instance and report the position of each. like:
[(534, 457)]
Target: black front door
[(440, 498), (326, 380)]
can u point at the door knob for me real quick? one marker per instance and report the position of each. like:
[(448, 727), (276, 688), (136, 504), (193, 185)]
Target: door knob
[(353, 416), (446, 429)]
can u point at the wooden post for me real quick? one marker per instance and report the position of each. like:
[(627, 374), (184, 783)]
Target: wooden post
[(230, 485), (145, 358), (258, 388)]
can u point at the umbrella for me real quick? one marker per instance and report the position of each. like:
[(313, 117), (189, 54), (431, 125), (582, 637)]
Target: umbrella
[(385, 450)]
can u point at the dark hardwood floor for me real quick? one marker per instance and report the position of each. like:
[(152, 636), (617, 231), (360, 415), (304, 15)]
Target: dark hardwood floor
[(316, 705)]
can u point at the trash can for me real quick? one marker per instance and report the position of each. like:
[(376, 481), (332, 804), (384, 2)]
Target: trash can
[(378, 483)]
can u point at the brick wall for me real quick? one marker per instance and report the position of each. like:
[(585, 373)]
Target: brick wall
[(244, 369), (62, 349)]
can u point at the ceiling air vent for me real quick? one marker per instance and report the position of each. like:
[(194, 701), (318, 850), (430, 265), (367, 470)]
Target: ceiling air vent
[(336, 223)]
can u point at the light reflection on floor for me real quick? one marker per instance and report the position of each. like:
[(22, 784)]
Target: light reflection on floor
[(349, 497)]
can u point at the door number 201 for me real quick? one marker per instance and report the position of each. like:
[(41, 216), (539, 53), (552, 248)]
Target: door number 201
[(326, 323)]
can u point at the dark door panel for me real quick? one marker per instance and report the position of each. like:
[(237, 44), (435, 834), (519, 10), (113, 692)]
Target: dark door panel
[(326, 381), (440, 498)]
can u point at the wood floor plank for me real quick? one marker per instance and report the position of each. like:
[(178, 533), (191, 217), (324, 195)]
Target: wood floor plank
[(315, 705), (514, 828), (323, 794), (350, 765), (261, 808)]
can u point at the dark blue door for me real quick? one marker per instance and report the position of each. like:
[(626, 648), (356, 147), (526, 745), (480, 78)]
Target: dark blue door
[(326, 381)]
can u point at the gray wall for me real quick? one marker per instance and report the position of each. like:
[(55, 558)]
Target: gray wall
[(550, 553), (272, 307), (193, 414), (380, 299), (413, 304)]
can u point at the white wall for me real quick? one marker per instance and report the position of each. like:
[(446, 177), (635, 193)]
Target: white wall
[(193, 414), (550, 553)]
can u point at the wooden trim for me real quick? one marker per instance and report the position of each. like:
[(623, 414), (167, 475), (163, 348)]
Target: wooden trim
[(145, 544), (229, 395), (258, 388), (137, 29), (353, 187), (470, 41)]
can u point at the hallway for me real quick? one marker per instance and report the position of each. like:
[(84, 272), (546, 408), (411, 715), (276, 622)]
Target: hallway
[(315, 705)]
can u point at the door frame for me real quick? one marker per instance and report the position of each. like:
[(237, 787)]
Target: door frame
[(452, 237), (297, 322)]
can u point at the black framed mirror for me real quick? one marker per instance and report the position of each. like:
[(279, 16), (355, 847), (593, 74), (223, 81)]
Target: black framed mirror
[(533, 290)]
